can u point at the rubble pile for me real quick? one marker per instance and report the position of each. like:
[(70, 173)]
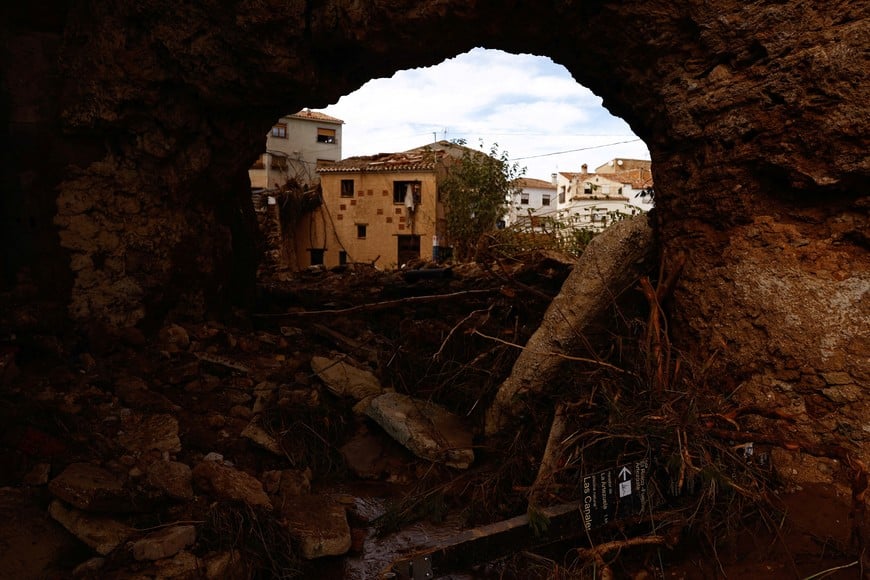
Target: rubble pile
[(219, 450)]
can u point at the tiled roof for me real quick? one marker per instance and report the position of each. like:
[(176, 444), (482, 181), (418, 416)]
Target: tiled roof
[(406, 161), (536, 183), (315, 116), (638, 178), (419, 159)]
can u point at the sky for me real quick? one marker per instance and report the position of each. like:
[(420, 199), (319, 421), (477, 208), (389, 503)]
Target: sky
[(528, 105)]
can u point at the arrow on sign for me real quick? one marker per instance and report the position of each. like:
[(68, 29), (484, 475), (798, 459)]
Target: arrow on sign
[(624, 474)]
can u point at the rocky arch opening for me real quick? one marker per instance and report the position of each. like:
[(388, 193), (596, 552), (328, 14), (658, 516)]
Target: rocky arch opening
[(755, 116)]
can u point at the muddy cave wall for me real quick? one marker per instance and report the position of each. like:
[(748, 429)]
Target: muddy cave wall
[(129, 130)]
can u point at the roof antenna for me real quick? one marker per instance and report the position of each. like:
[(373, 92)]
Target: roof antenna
[(434, 136)]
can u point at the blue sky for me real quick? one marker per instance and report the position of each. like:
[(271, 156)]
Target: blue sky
[(529, 105)]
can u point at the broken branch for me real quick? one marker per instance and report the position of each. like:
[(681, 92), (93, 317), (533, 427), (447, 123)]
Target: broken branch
[(379, 305), (556, 354)]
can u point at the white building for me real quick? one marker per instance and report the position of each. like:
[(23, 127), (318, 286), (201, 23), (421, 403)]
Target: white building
[(295, 145), (535, 200), (595, 200)]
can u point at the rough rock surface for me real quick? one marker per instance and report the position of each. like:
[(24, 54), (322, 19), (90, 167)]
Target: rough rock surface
[(345, 379), (226, 482), (103, 534), (426, 429), (172, 478), (164, 543), (90, 488), (319, 524)]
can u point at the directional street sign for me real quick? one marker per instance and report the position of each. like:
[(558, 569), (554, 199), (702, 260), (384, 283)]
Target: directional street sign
[(614, 493)]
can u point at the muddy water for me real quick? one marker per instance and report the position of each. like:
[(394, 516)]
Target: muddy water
[(372, 559)]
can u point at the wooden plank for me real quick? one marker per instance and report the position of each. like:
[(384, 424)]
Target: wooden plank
[(492, 541)]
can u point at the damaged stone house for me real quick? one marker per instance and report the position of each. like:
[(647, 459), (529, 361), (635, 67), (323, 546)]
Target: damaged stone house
[(382, 209), (284, 180)]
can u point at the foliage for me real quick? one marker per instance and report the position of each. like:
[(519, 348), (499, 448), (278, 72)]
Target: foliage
[(476, 191)]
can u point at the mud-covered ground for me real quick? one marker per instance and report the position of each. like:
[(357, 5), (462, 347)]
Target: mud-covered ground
[(215, 449)]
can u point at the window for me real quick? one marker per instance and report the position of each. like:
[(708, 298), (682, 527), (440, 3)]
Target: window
[(342, 258), (360, 230), (524, 198), (280, 131), (545, 199), (347, 188), (562, 195), (401, 189), (316, 256), (325, 135)]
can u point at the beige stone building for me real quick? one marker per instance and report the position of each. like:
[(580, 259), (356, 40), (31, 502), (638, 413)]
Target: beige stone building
[(381, 209), (295, 146)]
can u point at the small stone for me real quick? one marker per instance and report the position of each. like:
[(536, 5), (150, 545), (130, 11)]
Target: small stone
[(241, 412), (164, 543), (90, 488), (181, 566), (172, 478), (225, 482), (319, 525), (254, 432), (216, 420), (38, 475), (152, 432), (344, 379), (173, 338), (89, 568), (100, 533), (837, 378), (849, 393), (221, 565)]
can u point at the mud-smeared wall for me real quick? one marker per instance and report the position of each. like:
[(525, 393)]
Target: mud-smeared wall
[(130, 125)]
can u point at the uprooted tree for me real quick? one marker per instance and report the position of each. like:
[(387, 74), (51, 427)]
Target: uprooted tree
[(476, 190)]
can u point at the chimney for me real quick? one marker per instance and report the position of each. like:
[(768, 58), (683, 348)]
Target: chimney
[(584, 168), (554, 178)]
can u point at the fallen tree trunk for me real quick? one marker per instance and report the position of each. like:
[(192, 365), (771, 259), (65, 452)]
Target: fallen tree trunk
[(613, 261)]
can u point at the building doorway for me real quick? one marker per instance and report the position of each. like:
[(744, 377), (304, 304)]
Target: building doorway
[(408, 248)]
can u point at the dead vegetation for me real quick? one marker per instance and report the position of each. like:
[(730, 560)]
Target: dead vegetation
[(611, 390)]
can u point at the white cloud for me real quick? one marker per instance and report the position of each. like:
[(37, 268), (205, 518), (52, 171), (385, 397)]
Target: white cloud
[(527, 104)]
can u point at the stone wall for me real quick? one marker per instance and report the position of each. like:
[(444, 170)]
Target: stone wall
[(755, 114)]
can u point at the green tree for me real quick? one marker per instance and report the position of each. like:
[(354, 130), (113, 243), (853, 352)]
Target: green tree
[(476, 190)]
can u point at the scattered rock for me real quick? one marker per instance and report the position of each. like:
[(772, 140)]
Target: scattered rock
[(261, 437), (173, 338), (222, 565), (134, 392), (38, 475), (288, 482), (319, 524), (164, 543), (103, 534), (172, 478), (89, 568), (837, 378), (152, 432), (225, 482), (346, 380), (90, 488), (844, 393), (370, 456), (426, 429), (181, 566)]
